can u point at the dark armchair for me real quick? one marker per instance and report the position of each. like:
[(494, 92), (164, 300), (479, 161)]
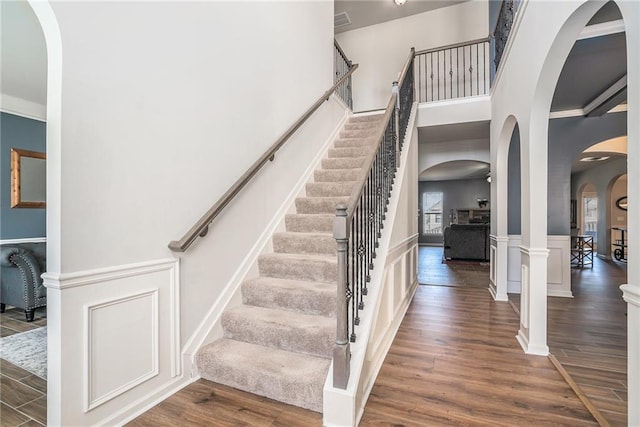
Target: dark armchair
[(20, 282)]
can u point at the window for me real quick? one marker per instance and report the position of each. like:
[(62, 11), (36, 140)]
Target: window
[(432, 213), (590, 209)]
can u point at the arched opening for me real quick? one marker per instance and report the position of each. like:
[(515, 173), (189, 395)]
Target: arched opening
[(587, 106), (24, 127)]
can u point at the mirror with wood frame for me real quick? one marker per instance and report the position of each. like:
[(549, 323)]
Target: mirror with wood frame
[(28, 179)]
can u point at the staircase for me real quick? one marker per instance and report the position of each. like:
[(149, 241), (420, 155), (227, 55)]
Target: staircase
[(279, 342)]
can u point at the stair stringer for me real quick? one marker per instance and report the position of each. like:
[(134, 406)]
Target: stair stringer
[(210, 329), (342, 408)]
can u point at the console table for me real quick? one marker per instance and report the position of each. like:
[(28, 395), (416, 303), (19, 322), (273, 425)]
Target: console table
[(582, 251)]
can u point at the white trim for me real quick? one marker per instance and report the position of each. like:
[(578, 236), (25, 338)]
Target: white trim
[(606, 95), (211, 318), (23, 240), (401, 248), (91, 402), (603, 29), (88, 277), (581, 112), (140, 406), (563, 114), (23, 108), (631, 294)]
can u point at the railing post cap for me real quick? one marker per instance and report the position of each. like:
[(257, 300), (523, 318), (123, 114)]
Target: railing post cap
[(341, 210)]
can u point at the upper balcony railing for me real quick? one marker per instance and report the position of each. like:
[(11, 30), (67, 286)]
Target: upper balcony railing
[(342, 65), (455, 71), (503, 28)]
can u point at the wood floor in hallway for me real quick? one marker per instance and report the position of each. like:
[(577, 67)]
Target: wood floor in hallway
[(588, 336)]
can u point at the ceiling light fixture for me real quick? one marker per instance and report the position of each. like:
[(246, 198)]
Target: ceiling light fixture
[(399, 2)]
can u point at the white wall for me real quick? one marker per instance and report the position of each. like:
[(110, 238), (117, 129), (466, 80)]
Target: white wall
[(382, 49), (164, 106)]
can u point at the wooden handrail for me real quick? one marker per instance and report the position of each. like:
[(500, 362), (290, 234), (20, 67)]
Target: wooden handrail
[(201, 227)]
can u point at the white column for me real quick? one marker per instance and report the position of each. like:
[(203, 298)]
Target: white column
[(532, 335), (498, 271), (631, 295)]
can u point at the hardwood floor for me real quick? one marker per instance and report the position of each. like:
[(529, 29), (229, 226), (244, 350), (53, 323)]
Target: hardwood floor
[(455, 361), (23, 396), (588, 336), (433, 271)]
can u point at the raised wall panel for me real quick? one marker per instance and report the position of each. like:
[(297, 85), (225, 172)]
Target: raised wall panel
[(121, 346)]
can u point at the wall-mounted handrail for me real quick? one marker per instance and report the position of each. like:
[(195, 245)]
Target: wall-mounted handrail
[(201, 227)]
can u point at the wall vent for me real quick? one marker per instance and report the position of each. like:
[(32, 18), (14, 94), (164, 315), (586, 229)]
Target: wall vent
[(341, 19)]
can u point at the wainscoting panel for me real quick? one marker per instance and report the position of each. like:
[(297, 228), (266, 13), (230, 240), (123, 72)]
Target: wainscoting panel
[(558, 266), (121, 346), (114, 341)]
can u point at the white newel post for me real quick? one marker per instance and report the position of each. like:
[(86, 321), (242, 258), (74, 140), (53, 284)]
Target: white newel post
[(498, 270)]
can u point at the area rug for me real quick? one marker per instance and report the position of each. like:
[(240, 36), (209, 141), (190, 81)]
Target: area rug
[(27, 350)]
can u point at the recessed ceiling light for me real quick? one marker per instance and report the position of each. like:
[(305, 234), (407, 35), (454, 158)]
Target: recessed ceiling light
[(594, 158), (399, 2)]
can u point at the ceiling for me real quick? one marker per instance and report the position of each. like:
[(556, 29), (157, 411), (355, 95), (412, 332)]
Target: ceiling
[(614, 149), (457, 169), (454, 132), (23, 53), (369, 12)]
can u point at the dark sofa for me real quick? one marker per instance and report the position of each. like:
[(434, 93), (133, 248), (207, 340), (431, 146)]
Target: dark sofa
[(467, 241), (20, 283)]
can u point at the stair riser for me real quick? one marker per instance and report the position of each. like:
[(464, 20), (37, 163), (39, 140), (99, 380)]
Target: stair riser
[(315, 342), (366, 118), (335, 153), (308, 301), (291, 244), (329, 189), (310, 224), (336, 175), (345, 163), (316, 205), (358, 133), (234, 368), (354, 142), (361, 125), (311, 270)]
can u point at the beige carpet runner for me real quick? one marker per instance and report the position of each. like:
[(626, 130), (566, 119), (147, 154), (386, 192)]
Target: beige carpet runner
[(279, 342)]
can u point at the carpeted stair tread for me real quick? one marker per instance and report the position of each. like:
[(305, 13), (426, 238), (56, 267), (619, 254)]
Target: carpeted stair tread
[(315, 205), (343, 163), (288, 377), (310, 223), (336, 175), (304, 243), (355, 142), (283, 329), (298, 295), (329, 189), (314, 268)]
